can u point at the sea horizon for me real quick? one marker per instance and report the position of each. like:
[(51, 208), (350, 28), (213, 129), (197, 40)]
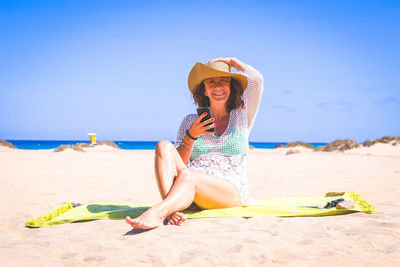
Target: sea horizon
[(128, 145)]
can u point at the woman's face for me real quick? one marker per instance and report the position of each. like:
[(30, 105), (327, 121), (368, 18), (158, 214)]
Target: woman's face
[(217, 89)]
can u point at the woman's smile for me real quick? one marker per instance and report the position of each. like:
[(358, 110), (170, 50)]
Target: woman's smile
[(219, 93)]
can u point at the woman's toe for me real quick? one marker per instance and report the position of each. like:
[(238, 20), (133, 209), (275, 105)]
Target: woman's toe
[(128, 220), (174, 221)]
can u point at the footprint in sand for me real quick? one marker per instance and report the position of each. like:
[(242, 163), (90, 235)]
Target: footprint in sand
[(154, 260), (390, 249), (284, 254), (234, 249), (68, 256), (251, 241), (260, 260), (382, 224), (305, 242), (187, 256), (94, 259)]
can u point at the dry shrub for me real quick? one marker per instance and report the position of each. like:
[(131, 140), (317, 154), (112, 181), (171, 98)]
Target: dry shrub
[(80, 146), (292, 151), (7, 144), (369, 143), (279, 145), (339, 145), (109, 143), (64, 147), (83, 145), (385, 140), (299, 143)]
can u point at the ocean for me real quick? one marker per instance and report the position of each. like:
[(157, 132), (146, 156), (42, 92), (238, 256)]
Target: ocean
[(138, 145)]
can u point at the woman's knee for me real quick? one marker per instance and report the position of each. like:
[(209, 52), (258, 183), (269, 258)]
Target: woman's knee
[(164, 148), (185, 174)]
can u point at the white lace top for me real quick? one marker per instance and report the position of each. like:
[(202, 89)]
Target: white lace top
[(225, 156)]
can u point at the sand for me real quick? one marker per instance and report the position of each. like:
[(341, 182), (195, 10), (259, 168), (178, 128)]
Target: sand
[(35, 182)]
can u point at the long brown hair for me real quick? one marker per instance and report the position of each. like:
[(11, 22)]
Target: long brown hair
[(234, 100)]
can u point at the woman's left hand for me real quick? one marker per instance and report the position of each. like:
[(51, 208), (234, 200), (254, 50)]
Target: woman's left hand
[(231, 61)]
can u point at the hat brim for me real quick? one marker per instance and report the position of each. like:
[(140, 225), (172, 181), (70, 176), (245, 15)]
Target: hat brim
[(200, 72)]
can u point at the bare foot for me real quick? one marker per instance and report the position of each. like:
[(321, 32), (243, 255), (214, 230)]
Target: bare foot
[(178, 218), (150, 219)]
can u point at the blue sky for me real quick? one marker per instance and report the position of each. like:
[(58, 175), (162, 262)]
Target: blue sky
[(119, 68)]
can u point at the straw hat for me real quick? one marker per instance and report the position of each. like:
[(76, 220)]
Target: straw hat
[(200, 72)]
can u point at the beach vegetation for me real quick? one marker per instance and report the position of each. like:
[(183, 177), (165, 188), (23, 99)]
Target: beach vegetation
[(80, 146), (299, 143), (385, 140), (339, 145), (292, 151), (108, 143), (7, 144), (279, 145), (64, 147)]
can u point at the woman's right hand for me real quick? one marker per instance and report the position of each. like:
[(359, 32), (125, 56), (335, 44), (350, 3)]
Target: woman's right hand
[(231, 61), (199, 128)]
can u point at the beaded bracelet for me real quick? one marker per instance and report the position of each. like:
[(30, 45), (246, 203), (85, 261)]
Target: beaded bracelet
[(186, 144), (187, 149), (191, 137)]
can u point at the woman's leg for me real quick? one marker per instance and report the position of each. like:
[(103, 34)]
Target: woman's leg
[(167, 163), (205, 190)]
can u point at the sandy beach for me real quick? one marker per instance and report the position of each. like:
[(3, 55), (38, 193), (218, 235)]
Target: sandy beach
[(34, 182)]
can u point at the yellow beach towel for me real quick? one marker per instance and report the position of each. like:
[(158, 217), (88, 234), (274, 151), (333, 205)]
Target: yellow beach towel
[(281, 207)]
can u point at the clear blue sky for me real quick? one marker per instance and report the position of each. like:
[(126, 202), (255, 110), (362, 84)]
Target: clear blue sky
[(119, 68)]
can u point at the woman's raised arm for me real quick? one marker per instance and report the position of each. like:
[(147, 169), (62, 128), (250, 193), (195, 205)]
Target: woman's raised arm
[(252, 95), (255, 86)]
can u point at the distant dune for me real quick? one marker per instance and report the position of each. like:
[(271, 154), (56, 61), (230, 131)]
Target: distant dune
[(387, 145), (83, 147), (6, 144)]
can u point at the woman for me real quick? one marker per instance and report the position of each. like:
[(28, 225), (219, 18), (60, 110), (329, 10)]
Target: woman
[(208, 168)]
